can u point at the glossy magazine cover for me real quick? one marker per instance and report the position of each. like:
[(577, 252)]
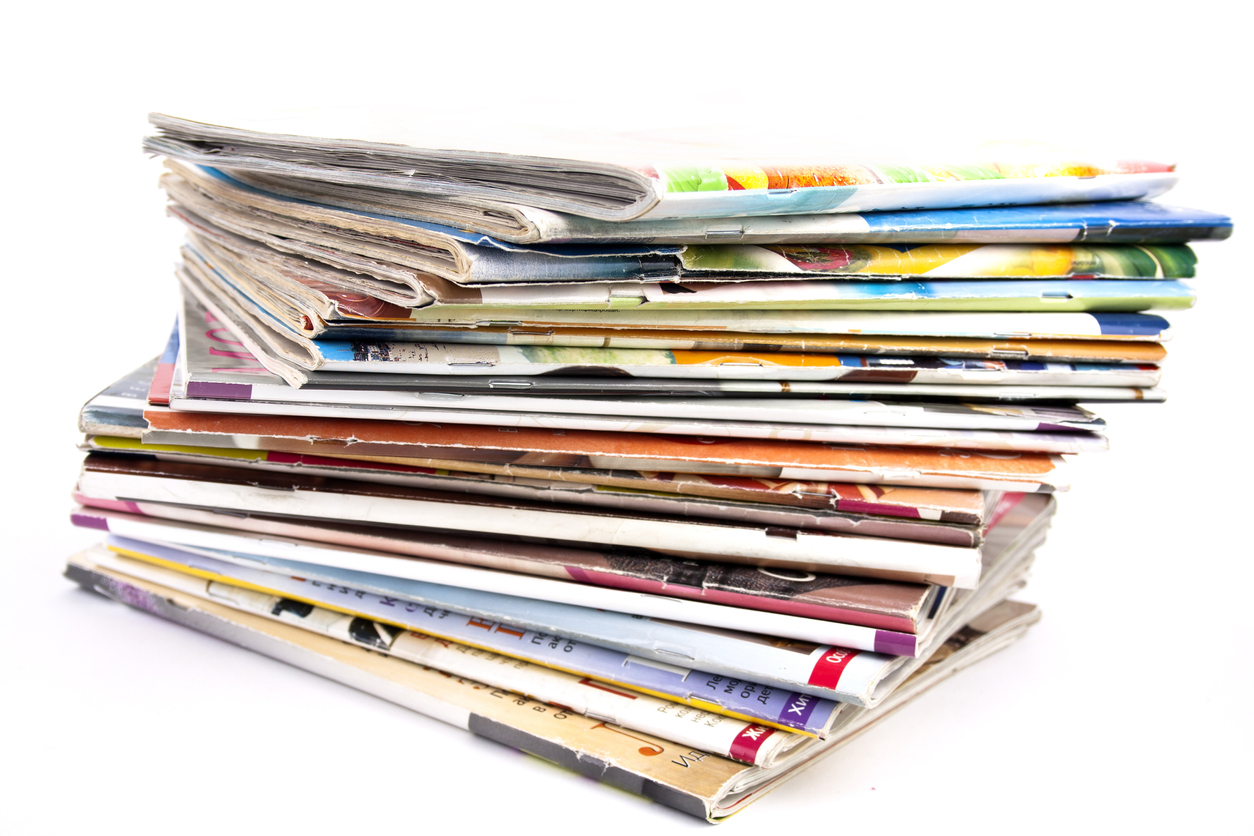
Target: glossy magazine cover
[(617, 177), (1114, 222)]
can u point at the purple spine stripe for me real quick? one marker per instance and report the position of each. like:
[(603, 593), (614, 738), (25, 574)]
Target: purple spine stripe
[(89, 521), (895, 644), (230, 391), (798, 709)]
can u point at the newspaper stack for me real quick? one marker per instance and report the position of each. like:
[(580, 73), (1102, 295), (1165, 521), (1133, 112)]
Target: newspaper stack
[(714, 460)]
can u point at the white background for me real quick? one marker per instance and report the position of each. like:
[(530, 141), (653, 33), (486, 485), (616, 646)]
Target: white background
[(1127, 707)]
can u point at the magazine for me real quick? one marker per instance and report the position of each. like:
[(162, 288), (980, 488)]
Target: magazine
[(804, 714), (219, 206), (775, 459), (982, 325), (904, 607), (747, 742), (1115, 222), (692, 780), (864, 676), (117, 414), (277, 329), (632, 500), (289, 287), (292, 356), (212, 364), (246, 491), (352, 312), (627, 177)]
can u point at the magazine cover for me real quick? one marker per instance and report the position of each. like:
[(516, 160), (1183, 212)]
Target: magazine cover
[(620, 178), (352, 309), (1115, 222), (1005, 348), (693, 781), (784, 459), (498, 622), (124, 419), (209, 199), (985, 325), (292, 356), (235, 490), (638, 499), (287, 287), (283, 337), (711, 731), (905, 607), (217, 435)]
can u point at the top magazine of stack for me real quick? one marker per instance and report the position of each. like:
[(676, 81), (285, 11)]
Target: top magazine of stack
[(639, 175)]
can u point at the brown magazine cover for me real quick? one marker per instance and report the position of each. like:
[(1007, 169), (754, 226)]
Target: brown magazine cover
[(763, 458), (637, 498), (963, 507)]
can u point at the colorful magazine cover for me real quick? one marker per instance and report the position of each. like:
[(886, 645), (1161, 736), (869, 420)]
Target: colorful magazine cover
[(747, 742), (120, 416), (356, 308), (217, 364), (1004, 348), (293, 356), (864, 677), (780, 459), (282, 336), (222, 208), (777, 708), (287, 290), (699, 783), (1114, 222), (618, 178)]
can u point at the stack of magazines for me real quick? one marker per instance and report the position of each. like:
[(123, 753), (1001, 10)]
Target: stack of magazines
[(671, 464)]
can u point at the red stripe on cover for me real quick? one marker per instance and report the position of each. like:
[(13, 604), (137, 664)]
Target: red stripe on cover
[(1003, 507), (109, 504), (745, 746), (159, 389), (830, 666)]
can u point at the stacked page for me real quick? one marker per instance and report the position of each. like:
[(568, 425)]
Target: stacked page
[(676, 463)]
